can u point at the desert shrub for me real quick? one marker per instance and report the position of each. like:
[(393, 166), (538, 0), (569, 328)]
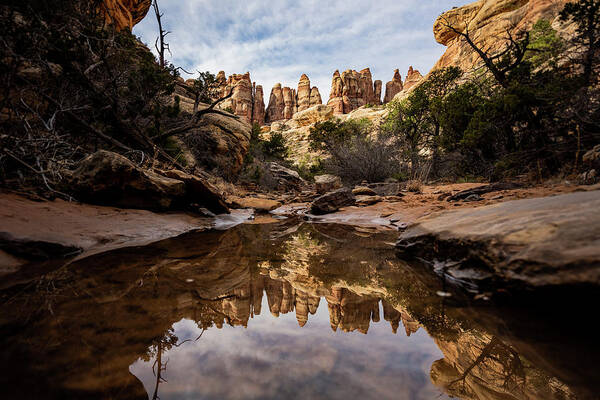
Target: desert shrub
[(357, 151)]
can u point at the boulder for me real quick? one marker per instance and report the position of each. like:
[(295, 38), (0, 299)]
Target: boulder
[(199, 191), (542, 242), (258, 204), (108, 178), (286, 178), (327, 183), (332, 201), (363, 191), (368, 200)]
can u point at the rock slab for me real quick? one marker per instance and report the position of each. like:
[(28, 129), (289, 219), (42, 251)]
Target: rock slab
[(526, 243)]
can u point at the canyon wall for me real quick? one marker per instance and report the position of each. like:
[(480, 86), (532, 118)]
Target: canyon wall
[(486, 21), (124, 14)]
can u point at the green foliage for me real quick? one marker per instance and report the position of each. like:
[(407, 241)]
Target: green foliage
[(272, 149), (545, 45)]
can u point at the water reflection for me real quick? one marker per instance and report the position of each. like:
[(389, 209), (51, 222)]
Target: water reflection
[(168, 320)]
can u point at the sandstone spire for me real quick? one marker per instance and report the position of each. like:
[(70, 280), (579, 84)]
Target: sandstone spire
[(276, 104), (377, 88), (393, 87), (258, 110), (315, 97), (412, 78), (303, 93)]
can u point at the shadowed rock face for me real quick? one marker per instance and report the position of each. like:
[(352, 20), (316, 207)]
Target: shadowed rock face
[(486, 21), (112, 309), (124, 14)]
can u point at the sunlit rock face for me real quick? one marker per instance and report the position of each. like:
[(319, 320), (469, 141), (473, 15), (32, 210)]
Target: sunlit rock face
[(487, 21), (124, 14), (241, 103), (351, 90), (413, 77), (286, 102)]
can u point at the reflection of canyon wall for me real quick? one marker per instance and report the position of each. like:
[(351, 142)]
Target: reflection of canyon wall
[(479, 366)]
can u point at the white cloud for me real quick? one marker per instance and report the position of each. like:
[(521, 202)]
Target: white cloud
[(279, 40)]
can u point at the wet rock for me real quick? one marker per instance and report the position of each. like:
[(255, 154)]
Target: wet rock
[(534, 242), (363, 191), (332, 201), (327, 183)]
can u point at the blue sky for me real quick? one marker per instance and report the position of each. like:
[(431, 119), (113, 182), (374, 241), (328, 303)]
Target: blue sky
[(279, 40)]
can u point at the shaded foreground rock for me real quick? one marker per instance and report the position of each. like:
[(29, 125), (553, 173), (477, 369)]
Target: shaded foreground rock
[(107, 178), (525, 243), (327, 183), (286, 178), (332, 201)]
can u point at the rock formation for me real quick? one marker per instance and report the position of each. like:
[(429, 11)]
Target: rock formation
[(315, 97), (258, 109), (304, 93), (247, 100), (289, 102), (276, 104), (241, 103), (351, 90), (393, 87), (285, 102), (413, 77), (486, 21), (377, 86), (124, 14)]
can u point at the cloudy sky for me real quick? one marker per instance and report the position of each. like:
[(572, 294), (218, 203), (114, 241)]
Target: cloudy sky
[(278, 40)]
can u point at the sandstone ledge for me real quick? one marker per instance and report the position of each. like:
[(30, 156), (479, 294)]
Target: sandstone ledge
[(525, 243)]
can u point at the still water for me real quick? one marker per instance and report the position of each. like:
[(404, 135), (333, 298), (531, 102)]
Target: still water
[(287, 310)]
